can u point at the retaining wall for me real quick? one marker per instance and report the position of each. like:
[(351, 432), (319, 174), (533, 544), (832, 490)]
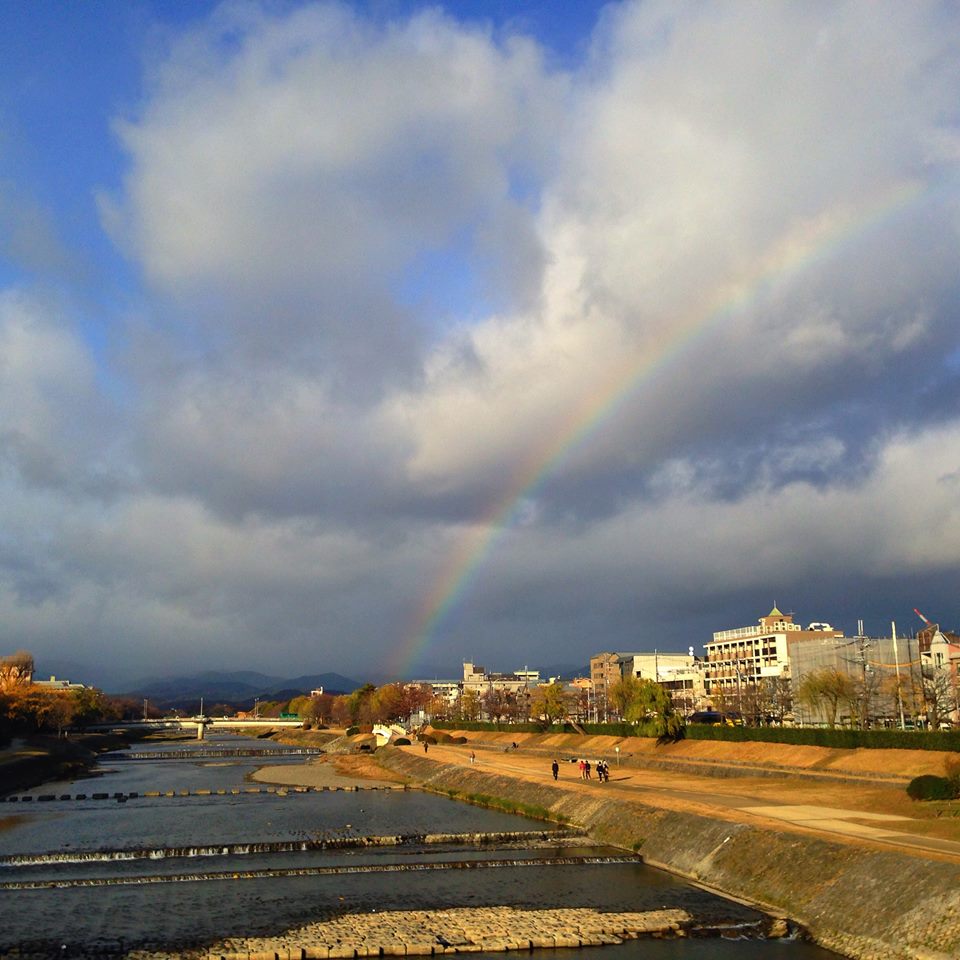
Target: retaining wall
[(861, 902)]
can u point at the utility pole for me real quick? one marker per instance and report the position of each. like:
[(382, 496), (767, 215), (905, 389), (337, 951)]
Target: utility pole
[(896, 660)]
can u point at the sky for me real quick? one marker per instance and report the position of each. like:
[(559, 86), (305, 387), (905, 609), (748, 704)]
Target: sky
[(373, 337)]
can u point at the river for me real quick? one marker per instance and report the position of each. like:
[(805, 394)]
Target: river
[(85, 877)]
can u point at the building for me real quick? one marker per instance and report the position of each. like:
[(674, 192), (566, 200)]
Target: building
[(884, 675), (477, 679), (679, 673), (55, 685), (746, 656)]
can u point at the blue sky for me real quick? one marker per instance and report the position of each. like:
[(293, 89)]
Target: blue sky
[(297, 298)]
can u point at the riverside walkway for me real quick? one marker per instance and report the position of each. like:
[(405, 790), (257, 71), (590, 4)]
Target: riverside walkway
[(864, 811)]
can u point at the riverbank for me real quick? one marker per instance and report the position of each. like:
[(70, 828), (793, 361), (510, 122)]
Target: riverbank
[(329, 772), (853, 897), (34, 761)]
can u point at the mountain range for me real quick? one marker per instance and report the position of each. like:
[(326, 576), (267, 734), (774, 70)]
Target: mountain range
[(240, 685)]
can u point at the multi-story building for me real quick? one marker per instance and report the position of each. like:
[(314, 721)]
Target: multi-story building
[(606, 669), (679, 673), (748, 655), (477, 679)]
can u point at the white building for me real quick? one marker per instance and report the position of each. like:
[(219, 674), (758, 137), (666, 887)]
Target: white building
[(747, 655)]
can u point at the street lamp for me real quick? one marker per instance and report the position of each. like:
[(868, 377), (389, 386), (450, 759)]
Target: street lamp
[(256, 708)]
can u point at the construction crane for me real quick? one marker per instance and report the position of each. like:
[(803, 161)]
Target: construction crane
[(922, 617)]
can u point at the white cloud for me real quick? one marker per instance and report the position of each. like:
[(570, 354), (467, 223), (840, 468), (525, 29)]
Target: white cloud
[(722, 258)]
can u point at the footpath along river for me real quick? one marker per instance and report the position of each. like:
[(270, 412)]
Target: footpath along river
[(186, 868)]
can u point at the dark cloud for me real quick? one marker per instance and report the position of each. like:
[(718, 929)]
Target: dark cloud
[(681, 320)]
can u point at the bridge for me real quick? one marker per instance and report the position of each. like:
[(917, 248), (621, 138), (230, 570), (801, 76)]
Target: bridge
[(195, 723)]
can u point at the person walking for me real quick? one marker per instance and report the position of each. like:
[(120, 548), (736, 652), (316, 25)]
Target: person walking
[(555, 767), (473, 756), (425, 745), (586, 769)]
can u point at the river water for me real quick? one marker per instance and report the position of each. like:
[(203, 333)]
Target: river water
[(100, 876)]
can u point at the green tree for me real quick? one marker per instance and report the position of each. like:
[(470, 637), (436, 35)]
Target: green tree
[(359, 703), (548, 703), (623, 694), (652, 702), (90, 705)]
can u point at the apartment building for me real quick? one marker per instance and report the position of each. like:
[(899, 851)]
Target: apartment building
[(679, 673), (746, 655)]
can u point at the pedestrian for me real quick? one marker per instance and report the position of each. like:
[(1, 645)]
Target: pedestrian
[(582, 774), (602, 771), (555, 767), (473, 756), (425, 745), (586, 769)]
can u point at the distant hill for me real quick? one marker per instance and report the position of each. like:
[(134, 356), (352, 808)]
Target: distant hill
[(238, 686), (566, 671)]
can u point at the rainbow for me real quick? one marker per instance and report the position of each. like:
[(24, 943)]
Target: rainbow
[(806, 244)]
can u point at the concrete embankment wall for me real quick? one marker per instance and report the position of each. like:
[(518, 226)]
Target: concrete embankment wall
[(862, 902)]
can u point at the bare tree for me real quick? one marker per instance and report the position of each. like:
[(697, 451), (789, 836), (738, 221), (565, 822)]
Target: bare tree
[(825, 691)]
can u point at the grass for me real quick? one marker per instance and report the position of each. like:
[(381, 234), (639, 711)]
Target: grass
[(532, 810)]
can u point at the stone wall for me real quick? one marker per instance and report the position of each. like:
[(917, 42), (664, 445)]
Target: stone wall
[(860, 901)]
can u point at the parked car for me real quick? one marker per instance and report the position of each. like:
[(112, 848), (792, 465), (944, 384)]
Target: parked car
[(711, 717)]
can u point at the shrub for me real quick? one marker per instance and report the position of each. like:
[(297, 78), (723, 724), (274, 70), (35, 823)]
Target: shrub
[(352, 731), (929, 787), (401, 742), (839, 737)]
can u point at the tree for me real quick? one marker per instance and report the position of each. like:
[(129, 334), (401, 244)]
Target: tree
[(90, 705), (495, 703), (416, 697), (300, 706), (826, 691), (652, 702), (548, 703), (340, 711), (61, 712), (938, 695), (468, 706), (321, 708), (775, 699), (387, 703), (623, 694), (359, 703), (16, 670)]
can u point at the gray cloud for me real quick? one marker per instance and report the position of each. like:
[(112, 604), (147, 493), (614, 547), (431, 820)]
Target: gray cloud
[(693, 302)]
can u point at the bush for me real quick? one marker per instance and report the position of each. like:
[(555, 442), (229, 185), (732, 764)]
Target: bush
[(352, 731), (929, 787), (401, 742), (843, 738)]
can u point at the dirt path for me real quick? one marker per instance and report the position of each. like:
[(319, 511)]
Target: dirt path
[(859, 812)]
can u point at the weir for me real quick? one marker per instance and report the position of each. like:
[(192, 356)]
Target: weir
[(501, 838), (213, 753), (276, 872)]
